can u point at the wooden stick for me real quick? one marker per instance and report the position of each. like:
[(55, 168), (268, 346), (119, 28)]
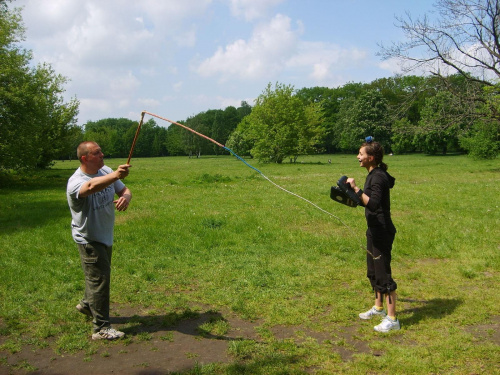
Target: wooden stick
[(135, 137)]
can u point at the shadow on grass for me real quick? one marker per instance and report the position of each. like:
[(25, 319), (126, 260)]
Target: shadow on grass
[(271, 361), (25, 199), (36, 180), (24, 214), (436, 308), (188, 322)]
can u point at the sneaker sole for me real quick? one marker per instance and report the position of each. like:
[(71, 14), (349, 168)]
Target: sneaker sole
[(99, 337), (387, 330)]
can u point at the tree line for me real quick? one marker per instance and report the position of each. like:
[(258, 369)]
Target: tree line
[(115, 135), (436, 113), (406, 114)]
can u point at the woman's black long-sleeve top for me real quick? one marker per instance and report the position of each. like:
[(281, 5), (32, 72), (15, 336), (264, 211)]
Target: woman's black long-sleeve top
[(378, 210)]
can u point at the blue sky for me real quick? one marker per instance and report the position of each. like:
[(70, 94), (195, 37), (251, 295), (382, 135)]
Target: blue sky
[(177, 58)]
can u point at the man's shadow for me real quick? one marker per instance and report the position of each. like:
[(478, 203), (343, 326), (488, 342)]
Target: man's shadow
[(436, 308), (187, 322)]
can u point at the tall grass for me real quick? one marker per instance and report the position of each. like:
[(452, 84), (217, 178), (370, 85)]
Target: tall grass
[(212, 231)]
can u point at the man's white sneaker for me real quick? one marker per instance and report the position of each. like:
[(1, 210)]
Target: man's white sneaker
[(371, 313), (108, 333), (387, 325)]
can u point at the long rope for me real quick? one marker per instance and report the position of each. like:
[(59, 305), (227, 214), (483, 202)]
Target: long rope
[(300, 197), (285, 190), (239, 158)]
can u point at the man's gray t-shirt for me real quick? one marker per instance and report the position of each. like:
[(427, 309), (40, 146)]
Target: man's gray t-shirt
[(93, 217)]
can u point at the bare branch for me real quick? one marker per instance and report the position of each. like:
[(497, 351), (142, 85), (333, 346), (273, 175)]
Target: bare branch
[(463, 35)]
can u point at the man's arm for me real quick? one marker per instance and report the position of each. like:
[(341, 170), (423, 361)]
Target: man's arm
[(100, 183)]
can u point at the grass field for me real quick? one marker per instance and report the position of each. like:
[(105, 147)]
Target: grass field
[(212, 232)]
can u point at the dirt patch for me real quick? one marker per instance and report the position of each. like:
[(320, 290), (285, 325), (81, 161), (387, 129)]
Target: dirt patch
[(161, 344), (487, 332), (178, 342), (345, 340)]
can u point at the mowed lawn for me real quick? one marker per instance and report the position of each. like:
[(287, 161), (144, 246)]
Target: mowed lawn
[(212, 233)]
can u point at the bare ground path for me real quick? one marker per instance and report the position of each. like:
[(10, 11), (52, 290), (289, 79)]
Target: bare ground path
[(154, 347)]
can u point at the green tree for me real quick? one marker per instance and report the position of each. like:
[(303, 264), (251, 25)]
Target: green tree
[(331, 102), (144, 146), (114, 135), (159, 147), (217, 131), (405, 95), (36, 124), (482, 141), (194, 145), (244, 110), (174, 143), (239, 142), (107, 138), (443, 119), (325, 98), (403, 134), (462, 39), (358, 118), (231, 119), (281, 126)]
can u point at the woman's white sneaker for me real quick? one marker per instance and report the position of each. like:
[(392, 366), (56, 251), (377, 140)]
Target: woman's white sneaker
[(387, 325), (371, 313)]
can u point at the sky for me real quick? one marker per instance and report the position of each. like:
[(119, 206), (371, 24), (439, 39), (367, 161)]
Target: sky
[(177, 58)]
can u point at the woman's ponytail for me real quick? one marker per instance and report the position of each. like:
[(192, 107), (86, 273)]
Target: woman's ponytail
[(376, 150)]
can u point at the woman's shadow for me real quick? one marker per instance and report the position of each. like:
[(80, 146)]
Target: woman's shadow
[(436, 308)]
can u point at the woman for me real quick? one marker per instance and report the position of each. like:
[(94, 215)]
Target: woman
[(380, 233)]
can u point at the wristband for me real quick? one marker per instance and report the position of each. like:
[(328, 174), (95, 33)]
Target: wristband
[(359, 193)]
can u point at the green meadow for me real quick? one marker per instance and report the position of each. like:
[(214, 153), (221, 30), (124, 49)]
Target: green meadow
[(213, 234)]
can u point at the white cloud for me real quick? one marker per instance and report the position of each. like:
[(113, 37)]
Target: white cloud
[(219, 101), (224, 102), (148, 102), (275, 48), (93, 109), (391, 65), (53, 17), (178, 86), (252, 9), (110, 33), (169, 14), (125, 83), (168, 98), (263, 55), (322, 61), (186, 38), (188, 56), (466, 61), (108, 49), (95, 104), (320, 71)]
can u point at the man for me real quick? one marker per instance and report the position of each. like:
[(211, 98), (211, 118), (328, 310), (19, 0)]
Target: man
[(91, 197)]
